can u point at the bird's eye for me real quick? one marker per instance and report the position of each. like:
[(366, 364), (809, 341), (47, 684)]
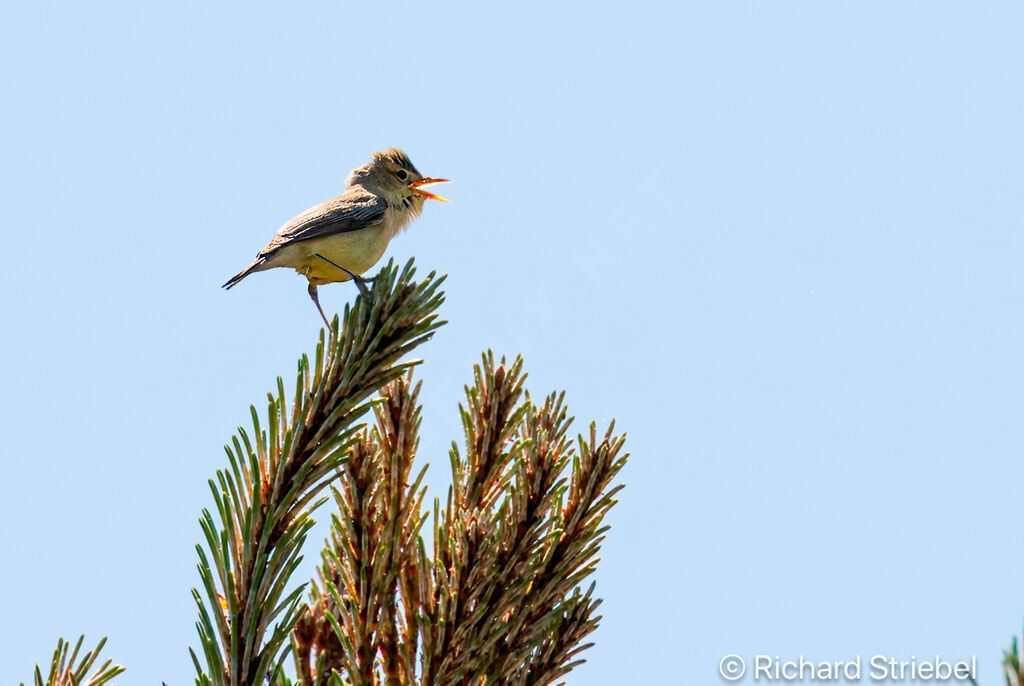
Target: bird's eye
[(402, 175)]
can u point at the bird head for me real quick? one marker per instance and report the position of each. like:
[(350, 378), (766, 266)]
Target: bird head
[(391, 175)]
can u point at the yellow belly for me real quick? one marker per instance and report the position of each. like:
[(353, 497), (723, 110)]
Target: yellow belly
[(356, 251)]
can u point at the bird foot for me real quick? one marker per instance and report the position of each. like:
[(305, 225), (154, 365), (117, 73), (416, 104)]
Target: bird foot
[(361, 284)]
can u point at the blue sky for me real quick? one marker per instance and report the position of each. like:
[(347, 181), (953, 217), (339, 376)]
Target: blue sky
[(779, 242)]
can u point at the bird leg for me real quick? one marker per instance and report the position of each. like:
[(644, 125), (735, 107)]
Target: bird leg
[(316, 301), (359, 281)]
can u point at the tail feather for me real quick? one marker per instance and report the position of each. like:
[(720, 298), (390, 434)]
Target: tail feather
[(256, 266)]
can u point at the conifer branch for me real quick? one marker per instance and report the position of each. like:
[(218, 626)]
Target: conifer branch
[(498, 599), (65, 672), (264, 501), (1012, 668), (377, 525), (512, 553)]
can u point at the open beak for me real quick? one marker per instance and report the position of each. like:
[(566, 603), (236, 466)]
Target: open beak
[(415, 185)]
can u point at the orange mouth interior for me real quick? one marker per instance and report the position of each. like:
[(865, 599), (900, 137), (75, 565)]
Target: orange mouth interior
[(420, 193)]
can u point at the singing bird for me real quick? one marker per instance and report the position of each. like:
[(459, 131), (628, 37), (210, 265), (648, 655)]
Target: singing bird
[(341, 238)]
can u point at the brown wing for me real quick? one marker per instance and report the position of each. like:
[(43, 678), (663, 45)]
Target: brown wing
[(354, 209)]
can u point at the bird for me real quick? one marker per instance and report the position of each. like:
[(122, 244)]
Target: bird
[(341, 238)]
